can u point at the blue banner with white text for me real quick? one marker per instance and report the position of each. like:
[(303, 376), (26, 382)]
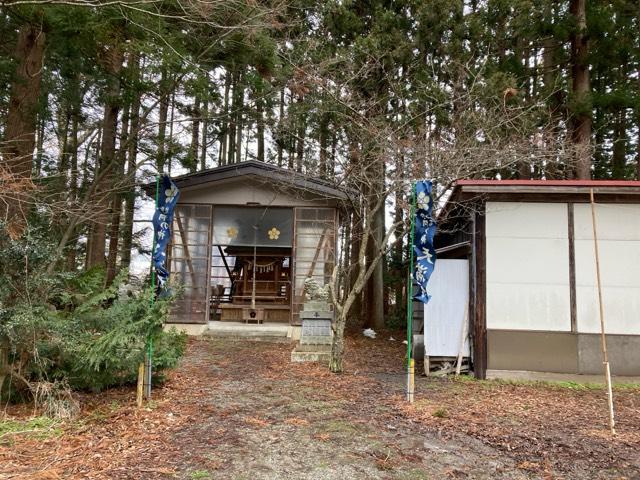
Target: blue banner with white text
[(424, 231), (162, 219)]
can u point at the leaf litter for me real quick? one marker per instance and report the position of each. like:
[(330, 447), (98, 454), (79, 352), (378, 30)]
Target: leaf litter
[(237, 407)]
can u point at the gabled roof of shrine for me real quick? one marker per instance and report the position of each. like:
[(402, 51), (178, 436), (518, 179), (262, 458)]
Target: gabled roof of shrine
[(259, 171)]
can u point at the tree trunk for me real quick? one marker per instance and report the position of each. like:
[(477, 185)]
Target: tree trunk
[(351, 293), (553, 95), (398, 251), (73, 181), (260, 121), (290, 138), (84, 186), (581, 114), (300, 137), (224, 125), (205, 126), (337, 345), (64, 122), (280, 139), (375, 174), (163, 112), (116, 207), (334, 149), (357, 310), (130, 196), (195, 136), (107, 161), (19, 135), (238, 107), (231, 115), (357, 228), (523, 54), (376, 281), (39, 145), (323, 140), (619, 160)]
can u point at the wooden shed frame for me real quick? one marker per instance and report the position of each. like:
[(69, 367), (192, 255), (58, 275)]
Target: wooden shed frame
[(462, 233)]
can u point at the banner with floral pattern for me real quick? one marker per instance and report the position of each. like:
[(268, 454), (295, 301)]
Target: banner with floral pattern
[(424, 231), (162, 219)]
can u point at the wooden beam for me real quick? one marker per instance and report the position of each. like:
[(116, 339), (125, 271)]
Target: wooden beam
[(226, 265), (316, 255), (464, 247), (186, 249), (550, 189), (549, 197), (321, 243), (572, 268), (480, 300)]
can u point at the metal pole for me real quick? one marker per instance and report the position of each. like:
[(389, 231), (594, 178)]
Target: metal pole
[(410, 361), (153, 246), (605, 357), (148, 356)]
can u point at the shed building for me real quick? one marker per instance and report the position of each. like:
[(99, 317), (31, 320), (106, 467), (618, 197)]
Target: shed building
[(533, 303), (244, 239)]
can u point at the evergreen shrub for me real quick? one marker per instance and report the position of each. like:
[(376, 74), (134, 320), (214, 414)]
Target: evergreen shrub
[(68, 329)]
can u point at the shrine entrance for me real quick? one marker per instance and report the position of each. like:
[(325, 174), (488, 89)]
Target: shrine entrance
[(245, 238), (251, 264)]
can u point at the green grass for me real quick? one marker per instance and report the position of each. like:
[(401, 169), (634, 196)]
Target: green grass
[(440, 413), (337, 426), (413, 474), (37, 427), (199, 474), (560, 384)]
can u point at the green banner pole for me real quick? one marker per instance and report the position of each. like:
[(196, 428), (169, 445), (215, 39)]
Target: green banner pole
[(153, 247), (149, 347), (410, 360)]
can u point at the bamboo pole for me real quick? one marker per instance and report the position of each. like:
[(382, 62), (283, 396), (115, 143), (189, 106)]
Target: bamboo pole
[(605, 357), (410, 361), (140, 391)]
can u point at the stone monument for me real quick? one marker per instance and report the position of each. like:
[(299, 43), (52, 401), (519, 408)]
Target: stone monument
[(316, 317)]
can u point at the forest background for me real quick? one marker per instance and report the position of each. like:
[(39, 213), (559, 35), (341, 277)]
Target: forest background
[(98, 96)]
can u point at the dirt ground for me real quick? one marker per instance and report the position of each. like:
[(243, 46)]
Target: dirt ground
[(241, 410)]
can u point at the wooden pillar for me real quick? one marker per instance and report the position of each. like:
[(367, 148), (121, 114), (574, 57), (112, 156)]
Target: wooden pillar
[(480, 295), (572, 268)]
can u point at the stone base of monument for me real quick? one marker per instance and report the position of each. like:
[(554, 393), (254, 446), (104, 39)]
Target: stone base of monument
[(316, 335), (301, 356)]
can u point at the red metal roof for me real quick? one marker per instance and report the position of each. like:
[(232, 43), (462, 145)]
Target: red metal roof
[(553, 183)]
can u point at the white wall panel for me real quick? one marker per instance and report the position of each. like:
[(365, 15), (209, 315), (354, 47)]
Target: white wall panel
[(527, 266), (527, 220), (444, 314), (619, 246), (615, 221)]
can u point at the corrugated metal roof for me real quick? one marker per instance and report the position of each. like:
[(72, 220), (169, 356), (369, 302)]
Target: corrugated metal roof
[(552, 183)]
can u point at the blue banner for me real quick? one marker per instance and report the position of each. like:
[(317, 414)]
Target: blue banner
[(424, 231), (162, 219)]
